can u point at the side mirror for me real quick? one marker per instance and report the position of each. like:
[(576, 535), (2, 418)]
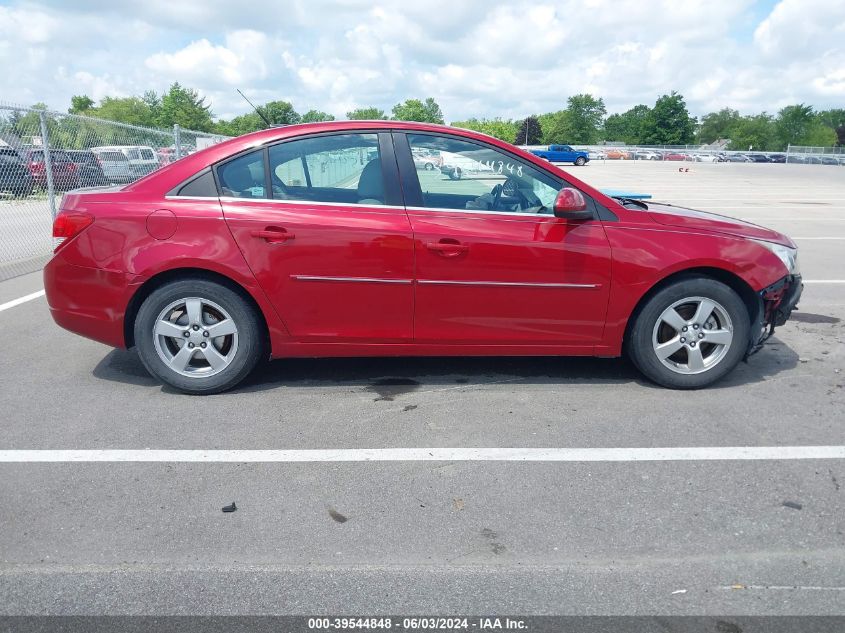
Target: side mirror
[(570, 204)]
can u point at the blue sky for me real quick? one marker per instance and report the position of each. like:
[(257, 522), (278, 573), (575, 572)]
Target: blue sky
[(476, 58)]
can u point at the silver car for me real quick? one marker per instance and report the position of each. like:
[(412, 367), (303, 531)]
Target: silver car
[(115, 166)]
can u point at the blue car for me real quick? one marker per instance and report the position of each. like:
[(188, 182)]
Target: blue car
[(562, 154)]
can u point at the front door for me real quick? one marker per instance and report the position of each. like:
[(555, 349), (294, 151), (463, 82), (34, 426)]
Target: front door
[(321, 225), (493, 264)]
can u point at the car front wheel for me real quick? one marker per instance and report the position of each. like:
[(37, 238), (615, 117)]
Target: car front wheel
[(580, 161), (689, 334), (198, 336)]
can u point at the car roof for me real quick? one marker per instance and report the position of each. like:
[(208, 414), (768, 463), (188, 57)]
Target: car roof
[(173, 174)]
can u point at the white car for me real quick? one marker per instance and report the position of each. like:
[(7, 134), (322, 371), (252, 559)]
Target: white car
[(707, 158), (142, 158), (596, 154)]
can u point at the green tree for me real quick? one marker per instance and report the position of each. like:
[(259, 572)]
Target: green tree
[(529, 132), (757, 131), (132, 110), (280, 113), (550, 124), (584, 115), (628, 126), (835, 120), (415, 110), (717, 125), (793, 124), (79, 104), (277, 112), (243, 124), (669, 122), (185, 107), (366, 114), (314, 116), (503, 129)]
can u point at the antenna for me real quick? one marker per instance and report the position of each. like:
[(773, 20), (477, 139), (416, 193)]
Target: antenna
[(257, 111)]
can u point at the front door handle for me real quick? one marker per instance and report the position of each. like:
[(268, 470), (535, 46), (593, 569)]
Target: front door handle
[(447, 247), (273, 235)]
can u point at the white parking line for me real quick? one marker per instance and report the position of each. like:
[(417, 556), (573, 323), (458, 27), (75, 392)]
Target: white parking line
[(694, 453), (20, 300)]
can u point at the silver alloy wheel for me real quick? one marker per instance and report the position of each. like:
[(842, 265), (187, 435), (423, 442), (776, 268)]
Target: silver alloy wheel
[(195, 337), (692, 335)]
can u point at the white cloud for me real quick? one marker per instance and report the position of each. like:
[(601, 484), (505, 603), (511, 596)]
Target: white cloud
[(476, 58)]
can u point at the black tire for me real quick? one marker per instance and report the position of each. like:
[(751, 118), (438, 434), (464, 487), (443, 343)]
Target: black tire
[(455, 174), (429, 166), (251, 337), (580, 161), (639, 344)]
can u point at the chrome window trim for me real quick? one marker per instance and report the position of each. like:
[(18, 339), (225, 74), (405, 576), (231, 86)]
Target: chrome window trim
[(526, 284), (483, 212), (288, 202), (365, 280)]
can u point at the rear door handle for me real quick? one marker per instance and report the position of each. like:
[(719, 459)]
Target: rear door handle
[(447, 247), (273, 235)]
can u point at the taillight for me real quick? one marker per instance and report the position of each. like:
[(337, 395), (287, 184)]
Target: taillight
[(71, 167), (67, 226)]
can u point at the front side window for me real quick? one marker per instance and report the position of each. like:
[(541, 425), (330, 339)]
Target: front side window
[(337, 168), (476, 177), (243, 177)]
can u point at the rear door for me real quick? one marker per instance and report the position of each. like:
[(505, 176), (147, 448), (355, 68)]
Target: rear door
[(493, 265), (321, 223)]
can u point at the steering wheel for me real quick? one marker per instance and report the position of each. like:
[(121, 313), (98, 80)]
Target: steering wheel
[(509, 188)]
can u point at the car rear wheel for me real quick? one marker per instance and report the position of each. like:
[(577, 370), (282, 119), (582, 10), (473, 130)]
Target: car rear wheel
[(580, 161), (689, 334), (198, 336)]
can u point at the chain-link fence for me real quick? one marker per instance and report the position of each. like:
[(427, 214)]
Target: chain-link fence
[(43, 154), (805, 155), (709, 154)]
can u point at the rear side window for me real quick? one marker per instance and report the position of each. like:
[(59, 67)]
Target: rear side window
[(243, 177), (147, 154), (201, 185), (113, 157), (336, 168), (133, 154)]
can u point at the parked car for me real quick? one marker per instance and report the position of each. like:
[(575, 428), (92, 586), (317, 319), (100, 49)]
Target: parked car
[(618, 154), (777, 158), (142, 158), (738, 158), (830, 160), (646, 154), (250, 249), (115, 166), (65, 176), (429, 162), (14, 175), (707, 158), (166, 155), (563, 154), (88, 168), (758, 158), (676, 156), (596, 154)]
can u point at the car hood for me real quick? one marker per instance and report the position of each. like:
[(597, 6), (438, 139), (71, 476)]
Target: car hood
[(696, 220)]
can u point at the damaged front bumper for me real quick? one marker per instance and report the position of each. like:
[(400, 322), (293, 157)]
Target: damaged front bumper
[(776, 304)]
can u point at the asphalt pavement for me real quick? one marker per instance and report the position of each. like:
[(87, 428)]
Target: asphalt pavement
[(694, 537)]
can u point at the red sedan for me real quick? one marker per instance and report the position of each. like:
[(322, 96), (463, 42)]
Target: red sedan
[(327, 239)]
